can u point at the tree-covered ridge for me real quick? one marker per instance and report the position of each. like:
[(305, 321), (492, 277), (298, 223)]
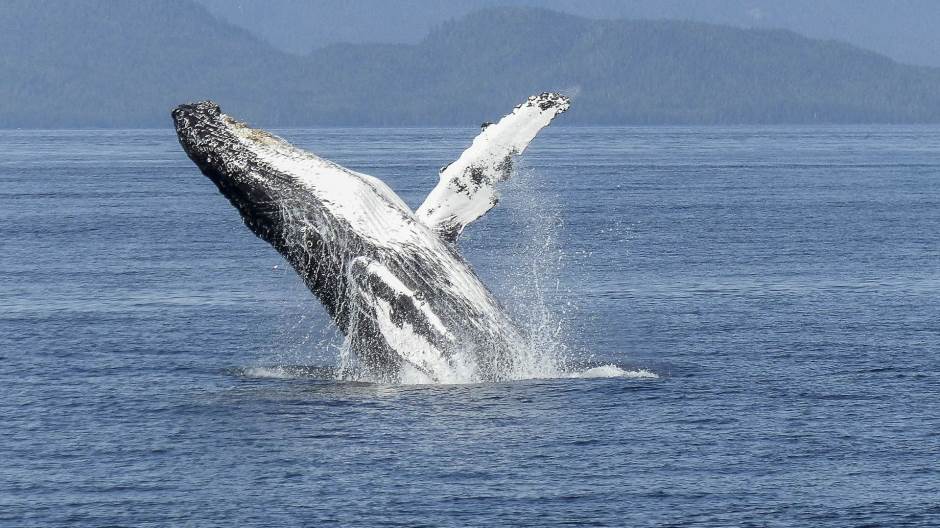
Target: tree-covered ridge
[(91, 63)]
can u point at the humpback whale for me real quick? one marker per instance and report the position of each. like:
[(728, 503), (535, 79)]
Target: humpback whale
[(390, 278)]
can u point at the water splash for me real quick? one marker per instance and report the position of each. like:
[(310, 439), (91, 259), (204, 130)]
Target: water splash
[(527, 278), (529, 283)]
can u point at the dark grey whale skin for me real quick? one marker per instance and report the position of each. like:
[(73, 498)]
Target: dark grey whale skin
[(331, 270)]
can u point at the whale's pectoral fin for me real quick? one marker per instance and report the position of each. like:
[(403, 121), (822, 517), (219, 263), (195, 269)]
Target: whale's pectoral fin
[(400, 325), (467, 189)]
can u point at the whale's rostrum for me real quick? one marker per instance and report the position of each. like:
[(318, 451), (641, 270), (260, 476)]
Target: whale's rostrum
[(390, 278)]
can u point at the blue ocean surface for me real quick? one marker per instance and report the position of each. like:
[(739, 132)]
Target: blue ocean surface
[(757, 309)]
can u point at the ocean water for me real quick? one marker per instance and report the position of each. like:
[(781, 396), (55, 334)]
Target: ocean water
[(750, 317)]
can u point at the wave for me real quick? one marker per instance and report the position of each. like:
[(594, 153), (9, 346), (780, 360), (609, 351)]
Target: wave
[(288, 372), (613, 371), (333, 374)]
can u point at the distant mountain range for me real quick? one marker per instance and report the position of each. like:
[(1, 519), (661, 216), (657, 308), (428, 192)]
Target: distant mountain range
[(98, 63), (905, 30)]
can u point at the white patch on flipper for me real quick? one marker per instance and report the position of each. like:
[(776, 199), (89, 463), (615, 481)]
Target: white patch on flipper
[(410, 345), (467, 187), (386, 276), (424, 361)]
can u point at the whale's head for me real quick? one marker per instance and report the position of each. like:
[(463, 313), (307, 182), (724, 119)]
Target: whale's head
[(212, 141)]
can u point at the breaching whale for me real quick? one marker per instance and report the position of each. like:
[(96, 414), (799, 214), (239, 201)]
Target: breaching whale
[(389, 277)]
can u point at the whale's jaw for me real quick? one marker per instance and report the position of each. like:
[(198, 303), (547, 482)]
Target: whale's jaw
[(205, 138)]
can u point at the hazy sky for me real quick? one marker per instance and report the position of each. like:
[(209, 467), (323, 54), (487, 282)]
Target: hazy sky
[(902, 29)]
